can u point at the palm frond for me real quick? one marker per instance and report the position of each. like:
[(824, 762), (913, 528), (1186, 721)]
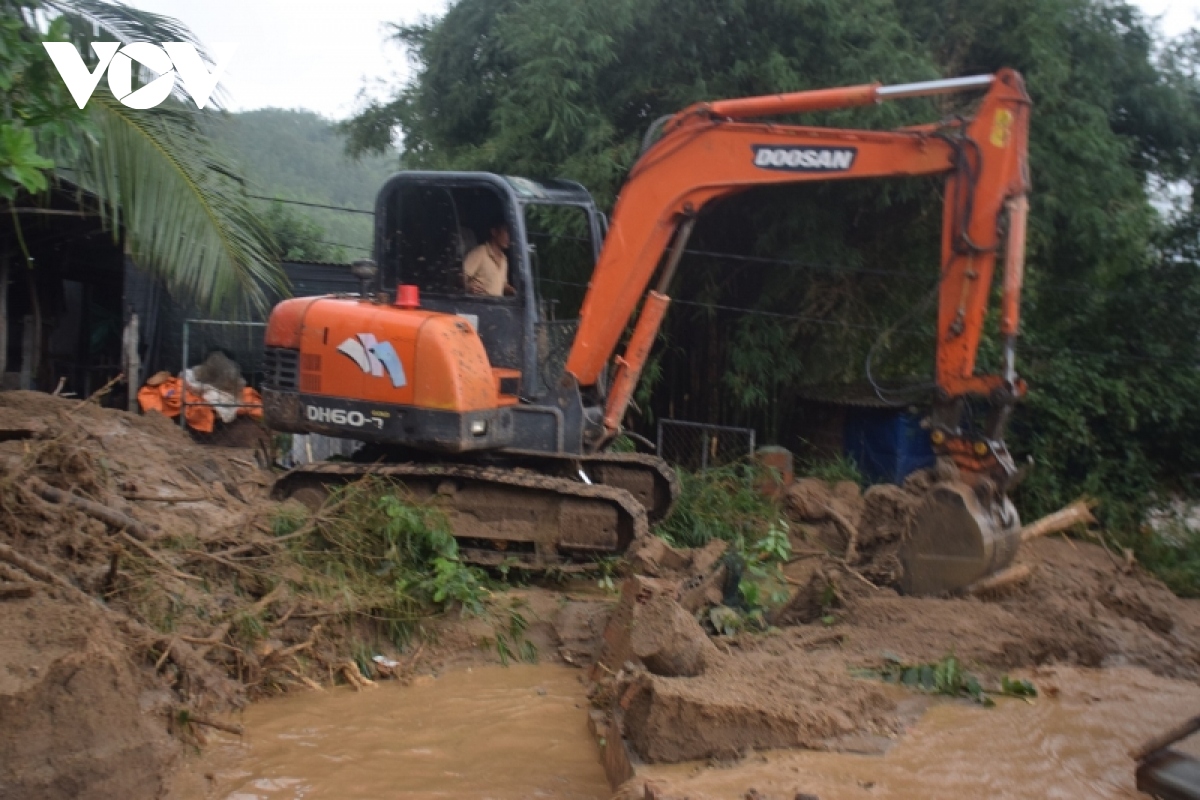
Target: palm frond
[(185, 215), (126, 23)]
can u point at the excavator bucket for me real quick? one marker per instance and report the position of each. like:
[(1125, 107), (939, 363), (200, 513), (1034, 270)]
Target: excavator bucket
[(958, 538)]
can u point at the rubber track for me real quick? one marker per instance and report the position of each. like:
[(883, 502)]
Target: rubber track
[(627, 505), (669, 476)]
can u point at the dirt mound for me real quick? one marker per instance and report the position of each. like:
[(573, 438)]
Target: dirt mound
[(1080, 606), (794, 688), (751, 702), (677, 697), (80, 720), (106, 572)]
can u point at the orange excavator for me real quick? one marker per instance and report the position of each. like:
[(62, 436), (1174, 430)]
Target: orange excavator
[(508, 414)]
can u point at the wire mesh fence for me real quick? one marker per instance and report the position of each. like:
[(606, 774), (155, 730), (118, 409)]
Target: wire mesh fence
[(554, 340), (241, 342), (696, 446)]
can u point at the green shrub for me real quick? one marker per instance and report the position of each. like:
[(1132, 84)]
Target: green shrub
[(720, 503)]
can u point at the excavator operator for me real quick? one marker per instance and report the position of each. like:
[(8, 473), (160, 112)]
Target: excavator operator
[(485, 269)]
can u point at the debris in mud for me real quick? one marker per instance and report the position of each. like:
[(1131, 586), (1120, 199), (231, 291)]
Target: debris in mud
[(691, 696), (176, 576)]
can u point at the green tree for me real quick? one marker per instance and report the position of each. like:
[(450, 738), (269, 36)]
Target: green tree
[(179, 207), (554, 88), (298, 238)]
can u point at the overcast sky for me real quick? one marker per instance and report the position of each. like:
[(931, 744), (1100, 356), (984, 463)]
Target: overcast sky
[(319, 55)]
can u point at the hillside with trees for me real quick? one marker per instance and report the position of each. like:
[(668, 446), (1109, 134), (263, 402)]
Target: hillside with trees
[(1111, 324), (299, 155)]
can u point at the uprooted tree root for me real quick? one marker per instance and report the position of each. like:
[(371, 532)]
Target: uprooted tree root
[(221, 593)]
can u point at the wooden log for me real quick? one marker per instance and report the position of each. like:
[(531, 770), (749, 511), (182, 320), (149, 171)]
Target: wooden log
[(1004, 578), (209, 722), (153, 498), (1078, 513), (1181, 731), (106, 514)]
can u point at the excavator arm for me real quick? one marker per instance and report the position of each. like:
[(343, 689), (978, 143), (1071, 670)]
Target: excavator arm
[(710, 151), (966, 528)]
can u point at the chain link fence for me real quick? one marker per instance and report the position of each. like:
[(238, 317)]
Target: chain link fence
[(696, 446), (242, 342), (554, 340)]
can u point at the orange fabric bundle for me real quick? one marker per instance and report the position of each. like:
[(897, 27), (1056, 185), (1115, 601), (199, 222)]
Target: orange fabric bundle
[(251, 402), (167, 397)]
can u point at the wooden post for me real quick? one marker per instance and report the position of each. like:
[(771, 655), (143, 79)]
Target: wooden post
[(28, 349), (4, 258), (132, 363)]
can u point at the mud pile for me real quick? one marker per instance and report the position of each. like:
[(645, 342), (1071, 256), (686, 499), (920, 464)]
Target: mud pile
[(109, 594), (677, 696), (865, 528), (675, 693)]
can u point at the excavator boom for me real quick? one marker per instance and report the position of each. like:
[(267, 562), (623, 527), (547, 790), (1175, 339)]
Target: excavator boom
[(712, 150)]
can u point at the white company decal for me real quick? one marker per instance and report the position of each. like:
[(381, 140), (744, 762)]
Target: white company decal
[(166, 60), (804, 159), (374, 357)]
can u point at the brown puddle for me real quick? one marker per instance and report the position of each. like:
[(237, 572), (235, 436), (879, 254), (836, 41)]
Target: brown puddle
[(1072, 746), (492, 732)]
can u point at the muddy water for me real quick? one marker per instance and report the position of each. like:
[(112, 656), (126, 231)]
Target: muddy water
[(492, 732), (1072, 745)]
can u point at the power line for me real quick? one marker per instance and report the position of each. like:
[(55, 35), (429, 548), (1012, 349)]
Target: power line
[(833, 323), (334, 244), (754, 311), (347, 209), (838, 268)]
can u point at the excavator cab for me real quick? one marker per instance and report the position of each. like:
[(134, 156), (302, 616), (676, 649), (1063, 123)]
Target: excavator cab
[(428, 223)]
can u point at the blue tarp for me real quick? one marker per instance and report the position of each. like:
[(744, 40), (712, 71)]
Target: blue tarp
[(886, 444)]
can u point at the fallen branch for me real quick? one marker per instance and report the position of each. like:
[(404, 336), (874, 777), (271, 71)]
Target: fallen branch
[(355, 677), (1078, 513), (153, 498), (822, 638), (197, 719), (1018, 573), (11, 591), (296, 648), (309, 682), (96, 395), (215, 638), (107, 515), (848, 529), (158, 559), (34, 569), (181, 654)]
